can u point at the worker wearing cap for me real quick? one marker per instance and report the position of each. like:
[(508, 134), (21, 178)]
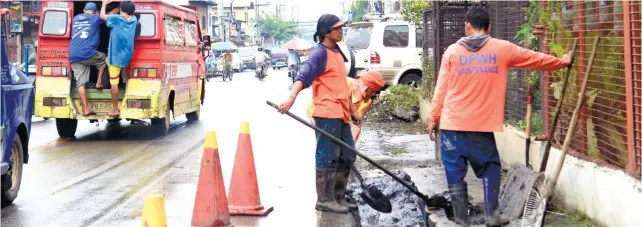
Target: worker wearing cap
[(468, 104), (361, 92), (325, 73)]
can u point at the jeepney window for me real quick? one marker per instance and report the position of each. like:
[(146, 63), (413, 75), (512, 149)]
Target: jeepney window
[(190, 34), (174, 31), (55, 23), (147, 24)]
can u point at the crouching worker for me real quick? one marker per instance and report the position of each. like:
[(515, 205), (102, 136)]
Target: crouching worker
[(325, 73), (362, 91), (83, 52), (468, 103)]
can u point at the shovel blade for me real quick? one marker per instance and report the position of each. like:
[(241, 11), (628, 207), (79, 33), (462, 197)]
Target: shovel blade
[(376, 199)]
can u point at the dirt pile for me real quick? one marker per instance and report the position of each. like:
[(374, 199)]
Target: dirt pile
[(407, 208)]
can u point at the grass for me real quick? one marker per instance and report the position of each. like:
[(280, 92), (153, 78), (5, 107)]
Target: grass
[(402, 96), (397, 150), (561, 217), (581, 219)]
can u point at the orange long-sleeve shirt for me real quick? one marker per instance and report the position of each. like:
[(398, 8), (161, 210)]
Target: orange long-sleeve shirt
[(471, 86)]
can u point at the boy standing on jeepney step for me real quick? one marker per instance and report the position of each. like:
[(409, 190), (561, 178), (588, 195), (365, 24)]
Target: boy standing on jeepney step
[(121, 45), (83, 51), (469, 106), (325, 73)]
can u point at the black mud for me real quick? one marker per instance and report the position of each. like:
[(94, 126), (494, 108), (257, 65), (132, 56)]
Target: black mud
[(407, 208)]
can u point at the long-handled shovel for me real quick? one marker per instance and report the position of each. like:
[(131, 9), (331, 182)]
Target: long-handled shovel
[(375, 198)]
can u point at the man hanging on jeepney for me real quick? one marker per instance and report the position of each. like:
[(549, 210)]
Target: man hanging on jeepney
[(468, 105), (83, 52), (121, 45)]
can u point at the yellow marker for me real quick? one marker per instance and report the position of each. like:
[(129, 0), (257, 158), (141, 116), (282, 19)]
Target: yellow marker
[(210, 140), (245, 128), (154, 212)]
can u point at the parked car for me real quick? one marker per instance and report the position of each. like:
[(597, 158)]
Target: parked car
[(17, 104), (390, 46)]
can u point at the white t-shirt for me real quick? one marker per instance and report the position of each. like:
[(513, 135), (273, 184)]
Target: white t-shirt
[(260, 56)]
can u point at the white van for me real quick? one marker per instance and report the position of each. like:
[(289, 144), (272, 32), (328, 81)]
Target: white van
[(391, 47)]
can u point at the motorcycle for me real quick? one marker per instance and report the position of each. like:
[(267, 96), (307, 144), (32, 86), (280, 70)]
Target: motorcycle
[(260, 71)]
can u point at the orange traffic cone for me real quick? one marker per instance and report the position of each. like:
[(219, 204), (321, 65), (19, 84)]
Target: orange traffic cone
[(244, 190), (154, 212), (210, 207)]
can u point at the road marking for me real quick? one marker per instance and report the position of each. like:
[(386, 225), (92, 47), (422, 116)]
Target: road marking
[(51, 144)]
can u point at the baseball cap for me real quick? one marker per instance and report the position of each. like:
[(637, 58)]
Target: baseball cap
[(91, 6), (325, 24)]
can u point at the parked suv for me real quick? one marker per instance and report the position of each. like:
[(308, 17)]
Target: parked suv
[(391, 47)]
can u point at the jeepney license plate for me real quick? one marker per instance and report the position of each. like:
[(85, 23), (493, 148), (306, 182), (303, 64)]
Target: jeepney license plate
[(101, 106)]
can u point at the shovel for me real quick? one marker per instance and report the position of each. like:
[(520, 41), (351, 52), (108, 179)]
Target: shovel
[(374, 195), (521, 178)]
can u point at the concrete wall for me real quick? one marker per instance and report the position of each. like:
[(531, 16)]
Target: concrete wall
[(609, 196)]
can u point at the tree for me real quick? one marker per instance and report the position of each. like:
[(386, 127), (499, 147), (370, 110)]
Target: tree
[(413, 10), (281, 30), (358, 9)]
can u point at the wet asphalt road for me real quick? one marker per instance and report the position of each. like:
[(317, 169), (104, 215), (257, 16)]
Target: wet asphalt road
[(101, 177)]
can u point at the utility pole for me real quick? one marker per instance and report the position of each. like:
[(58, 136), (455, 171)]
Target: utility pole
[(257, 31), (221, 28)]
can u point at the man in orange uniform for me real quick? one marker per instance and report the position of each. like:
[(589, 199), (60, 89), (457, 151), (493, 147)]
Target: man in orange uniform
[(468, 103), (361, 92), (333, 111)]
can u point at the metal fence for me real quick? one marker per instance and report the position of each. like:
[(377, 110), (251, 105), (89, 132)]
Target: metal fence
[(636, 70), (602, 127), (610, 126)]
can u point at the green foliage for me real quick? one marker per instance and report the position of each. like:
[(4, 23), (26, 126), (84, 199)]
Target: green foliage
[(281, 30), (402, 96), (358, 9), (526, 39), (427, 86), (413, 10)]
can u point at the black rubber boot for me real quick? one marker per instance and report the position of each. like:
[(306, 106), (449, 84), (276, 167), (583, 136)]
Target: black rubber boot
[(492, 182), (325, 192), (459, 198), (340, 188)]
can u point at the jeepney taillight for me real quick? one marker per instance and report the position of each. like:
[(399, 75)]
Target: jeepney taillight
[(145, 73), (54, 71)]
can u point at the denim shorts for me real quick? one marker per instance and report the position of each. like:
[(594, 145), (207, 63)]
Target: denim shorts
[(328, 153)]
